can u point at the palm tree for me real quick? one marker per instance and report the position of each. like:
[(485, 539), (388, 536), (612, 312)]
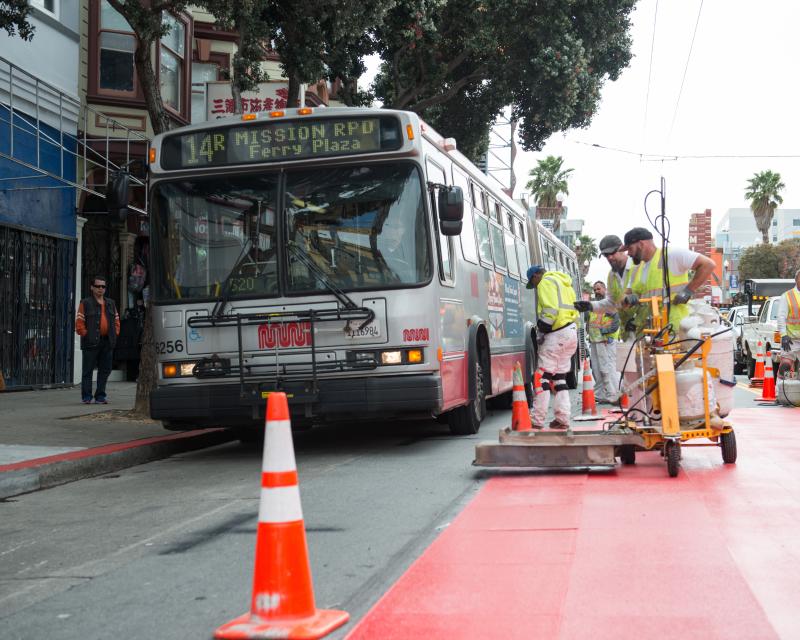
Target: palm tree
[(763, 192), (548, 179), (585, 250)]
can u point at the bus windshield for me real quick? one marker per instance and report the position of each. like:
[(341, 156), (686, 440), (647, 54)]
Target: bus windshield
[(362, 227)]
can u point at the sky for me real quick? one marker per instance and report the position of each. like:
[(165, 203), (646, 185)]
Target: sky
[(740, 96)]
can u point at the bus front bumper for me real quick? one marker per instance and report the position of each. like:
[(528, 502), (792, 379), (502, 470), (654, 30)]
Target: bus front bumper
[(224, 404)]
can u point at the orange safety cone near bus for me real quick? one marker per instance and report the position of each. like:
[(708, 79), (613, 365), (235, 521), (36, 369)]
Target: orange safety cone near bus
[(758, 374), (589, 406), (520, 415), (768, 389), (282, 603)]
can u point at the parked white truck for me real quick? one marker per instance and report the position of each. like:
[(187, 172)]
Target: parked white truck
[(762, 323)]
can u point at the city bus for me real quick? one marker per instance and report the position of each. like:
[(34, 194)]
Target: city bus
[(352, 258)]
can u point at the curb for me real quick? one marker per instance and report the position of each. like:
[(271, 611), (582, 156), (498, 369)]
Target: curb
[(43, 473)]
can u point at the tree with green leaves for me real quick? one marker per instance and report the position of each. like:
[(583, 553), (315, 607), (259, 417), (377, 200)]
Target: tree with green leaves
[(14, 18), (254, 32), (585, 251), (759, 261), (548, 180), (547, 59), (325, 40), (763, 191)]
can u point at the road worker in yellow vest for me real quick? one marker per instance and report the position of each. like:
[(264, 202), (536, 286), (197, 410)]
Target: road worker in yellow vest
[(603, 330), (557, 337), (789, 324), (618, 284), (648, 279)]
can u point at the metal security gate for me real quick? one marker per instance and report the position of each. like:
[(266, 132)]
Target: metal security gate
[(36, 308)]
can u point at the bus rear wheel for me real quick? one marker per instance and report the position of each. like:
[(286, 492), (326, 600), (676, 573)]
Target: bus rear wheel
[(466, 420)]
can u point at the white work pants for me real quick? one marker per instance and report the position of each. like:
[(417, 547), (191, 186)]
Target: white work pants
[(555, 355), (604, 368)]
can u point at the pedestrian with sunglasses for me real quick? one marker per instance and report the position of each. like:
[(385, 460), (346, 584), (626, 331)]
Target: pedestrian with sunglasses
[(97, 324)]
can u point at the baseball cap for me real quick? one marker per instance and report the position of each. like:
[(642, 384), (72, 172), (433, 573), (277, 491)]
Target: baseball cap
[(532, 271), (636, 234), (609, 245)]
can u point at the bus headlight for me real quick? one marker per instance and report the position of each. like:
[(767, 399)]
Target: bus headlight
[(391, 357), (177, 369)]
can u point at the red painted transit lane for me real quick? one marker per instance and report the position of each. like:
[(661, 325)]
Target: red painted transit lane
[(628, 554)]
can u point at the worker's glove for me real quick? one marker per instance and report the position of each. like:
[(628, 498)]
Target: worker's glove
[(786, 343), (630, 325), (582, 305), (683, 296), (630, 300), (540, 337), (610, 340)]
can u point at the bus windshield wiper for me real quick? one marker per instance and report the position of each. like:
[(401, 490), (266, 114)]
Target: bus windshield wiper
[(340, 295), (219, 307)]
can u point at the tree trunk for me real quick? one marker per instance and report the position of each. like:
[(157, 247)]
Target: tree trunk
[(293, 100), (147, 368), (152, 92)]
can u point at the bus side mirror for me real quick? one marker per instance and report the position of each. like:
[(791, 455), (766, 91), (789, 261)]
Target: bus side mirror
[(117, 195), (451, 210), (752, 318)]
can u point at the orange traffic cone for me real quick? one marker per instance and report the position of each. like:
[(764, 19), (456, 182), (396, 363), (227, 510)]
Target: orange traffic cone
[(624, 403), (520, 416), (768, 390), (758, 375), (282, 603), (589, 408)]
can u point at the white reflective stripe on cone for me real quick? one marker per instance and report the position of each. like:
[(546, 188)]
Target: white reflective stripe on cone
[(519, 394), (280, 504), (278, 447)]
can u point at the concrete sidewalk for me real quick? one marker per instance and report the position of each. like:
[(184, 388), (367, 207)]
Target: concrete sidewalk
[(49, 437)]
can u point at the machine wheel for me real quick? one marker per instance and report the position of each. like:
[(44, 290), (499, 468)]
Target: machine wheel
[(728, 446), (673, 455), (627, 454), (466, 420)]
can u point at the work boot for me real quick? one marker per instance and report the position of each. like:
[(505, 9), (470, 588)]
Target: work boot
[(557, 424)]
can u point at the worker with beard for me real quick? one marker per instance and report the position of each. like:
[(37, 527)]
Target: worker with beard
[(648, 280)]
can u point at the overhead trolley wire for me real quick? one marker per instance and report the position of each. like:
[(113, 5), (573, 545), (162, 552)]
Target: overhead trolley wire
[(685, 70)]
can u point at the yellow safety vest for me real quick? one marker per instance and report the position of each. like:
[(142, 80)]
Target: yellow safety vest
[(554, 300), (649, 281), (617, 286), (792, 302), (598, 322)]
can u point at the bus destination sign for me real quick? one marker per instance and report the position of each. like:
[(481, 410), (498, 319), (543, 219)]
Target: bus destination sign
[(275, 141)]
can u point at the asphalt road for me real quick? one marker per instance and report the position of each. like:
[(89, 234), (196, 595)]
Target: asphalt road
[(165, 550)]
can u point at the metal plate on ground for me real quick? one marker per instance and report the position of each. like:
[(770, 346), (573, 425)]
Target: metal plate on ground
[(552, 449)]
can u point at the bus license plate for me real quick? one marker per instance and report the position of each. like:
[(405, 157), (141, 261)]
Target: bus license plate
[(357, 331)]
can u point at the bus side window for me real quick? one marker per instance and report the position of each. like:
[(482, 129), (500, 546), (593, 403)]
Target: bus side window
[(498, 247), (522, 257), (522, 231), (468, 248), (436, 174), (482, 228), (511, 254)]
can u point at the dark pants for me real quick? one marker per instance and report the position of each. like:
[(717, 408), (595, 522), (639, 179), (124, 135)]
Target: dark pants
[(100, 357)]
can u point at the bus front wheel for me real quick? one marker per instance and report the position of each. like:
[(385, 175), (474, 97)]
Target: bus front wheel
[(466, 420)]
